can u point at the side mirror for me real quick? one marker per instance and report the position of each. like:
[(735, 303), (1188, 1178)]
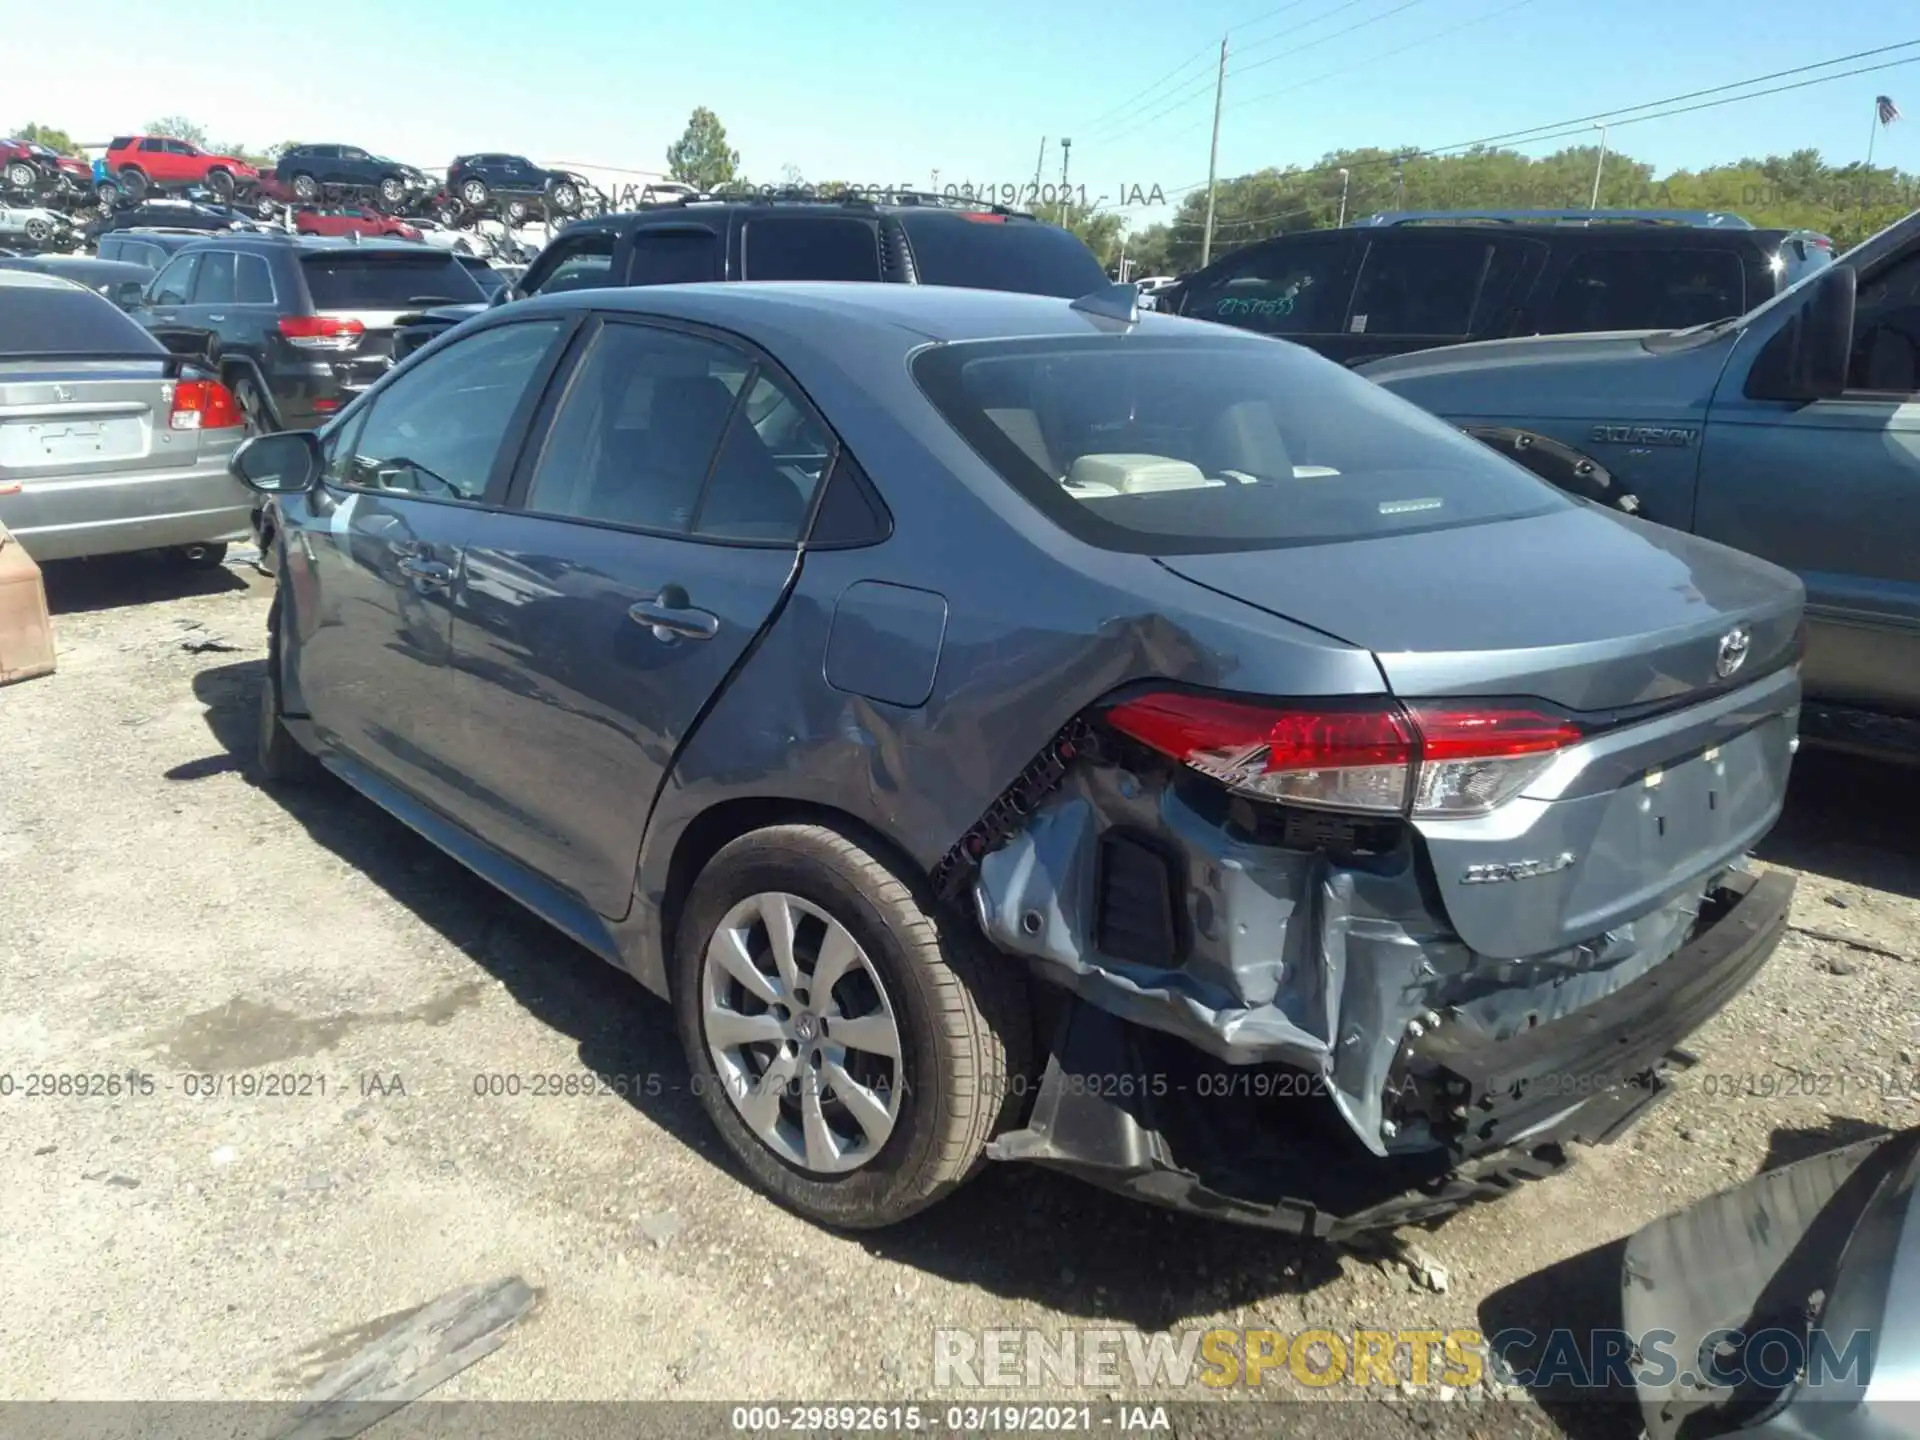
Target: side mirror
[(1809, 358), (285, 462)]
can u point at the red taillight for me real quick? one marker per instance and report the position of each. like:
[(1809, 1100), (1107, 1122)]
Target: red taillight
[(204, 405), (1430, 760), (321, 332), (979, 219)]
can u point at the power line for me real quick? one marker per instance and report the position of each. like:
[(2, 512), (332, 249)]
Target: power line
[(1266, 40), (1578, 128), (1202, 53), (1361, 25)]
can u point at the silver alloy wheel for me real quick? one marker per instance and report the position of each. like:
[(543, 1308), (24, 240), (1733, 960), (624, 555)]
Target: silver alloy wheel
[(474, 192), (39, 231), (802, 1033), (21, 175), (305, 187)]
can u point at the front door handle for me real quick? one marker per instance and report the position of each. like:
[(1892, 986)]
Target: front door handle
[(427, 572), (670, 615)]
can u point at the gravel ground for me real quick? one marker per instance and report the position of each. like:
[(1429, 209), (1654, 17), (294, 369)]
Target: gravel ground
[(163, 916)]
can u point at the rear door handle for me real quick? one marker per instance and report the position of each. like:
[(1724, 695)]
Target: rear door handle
[(670, 615), (427, 572)]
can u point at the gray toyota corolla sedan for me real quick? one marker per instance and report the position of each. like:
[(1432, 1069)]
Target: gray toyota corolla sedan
[(1017, 728)]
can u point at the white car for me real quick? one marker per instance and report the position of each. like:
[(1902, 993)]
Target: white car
[(35, 224)]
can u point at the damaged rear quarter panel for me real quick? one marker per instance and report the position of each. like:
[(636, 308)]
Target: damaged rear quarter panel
[(1039, 627)]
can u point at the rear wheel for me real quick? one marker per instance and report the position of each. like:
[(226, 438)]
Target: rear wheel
[(21, 175), (393, 192), (253, 406), (39, 231), (852, 1048), (565, 197), (133, 184), (516, 212), (474, 194), (306, 188), (221, 182), (280, 758)]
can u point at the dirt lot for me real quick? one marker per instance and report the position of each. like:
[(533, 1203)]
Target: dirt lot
[(161, 915)]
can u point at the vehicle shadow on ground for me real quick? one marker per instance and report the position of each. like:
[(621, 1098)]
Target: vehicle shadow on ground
[(1581, 1295), (1017, 1232), (113, 582), (1851, 819)]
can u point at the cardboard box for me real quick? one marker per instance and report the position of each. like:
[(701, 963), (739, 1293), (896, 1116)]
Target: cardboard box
[(26, 631)]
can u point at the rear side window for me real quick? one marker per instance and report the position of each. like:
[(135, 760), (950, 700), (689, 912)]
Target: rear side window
[(1291, 289), (996, 252), (388, 282), (1645, 290), (674, 257), (1419, 286), (53, 320), (810, 247), (1188, 446)]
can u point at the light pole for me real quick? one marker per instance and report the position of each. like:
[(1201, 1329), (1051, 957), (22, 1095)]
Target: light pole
[(1346, 179), (1066, 146), (1598, 166)]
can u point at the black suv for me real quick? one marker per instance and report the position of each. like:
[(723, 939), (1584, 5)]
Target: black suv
[(149, 247), (1420, 279), (296, 327), (309, 172), (516, 186), (907, 239)]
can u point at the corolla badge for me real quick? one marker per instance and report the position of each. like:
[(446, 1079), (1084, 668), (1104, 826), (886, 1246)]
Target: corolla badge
[(1734, 646), (1495, 874)]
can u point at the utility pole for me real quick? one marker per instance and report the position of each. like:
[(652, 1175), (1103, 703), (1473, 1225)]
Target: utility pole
[(1598, 166), (1065, 146), (1038, 161), (1346, 180), (1213, 153)]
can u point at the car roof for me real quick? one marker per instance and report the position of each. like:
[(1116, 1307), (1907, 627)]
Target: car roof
[(676, 207), (38, 280), (757, 309), (54, 264)]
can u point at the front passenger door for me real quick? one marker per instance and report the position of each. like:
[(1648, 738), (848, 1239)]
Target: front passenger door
[(413, 475)]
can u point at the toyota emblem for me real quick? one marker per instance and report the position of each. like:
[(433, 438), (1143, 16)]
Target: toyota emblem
[(1733, 651)]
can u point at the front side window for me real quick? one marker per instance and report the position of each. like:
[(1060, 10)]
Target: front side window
[(584, 264), (436, 431), (1164, 446), (1886, 331), (1419, 286), (214, 283), (175, 283), (680, 435), (1295, 289), (1646, 290)]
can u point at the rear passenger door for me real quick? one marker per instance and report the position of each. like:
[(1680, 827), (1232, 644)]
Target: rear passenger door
[(657, 531), (233, 297), (1296, 289), (680, 254), (1417, 291)]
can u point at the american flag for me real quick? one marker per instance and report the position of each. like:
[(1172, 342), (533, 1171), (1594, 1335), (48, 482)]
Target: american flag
[(1889, 112)]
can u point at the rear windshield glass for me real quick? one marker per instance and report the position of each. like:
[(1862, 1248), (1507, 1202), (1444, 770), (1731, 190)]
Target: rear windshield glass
[(992, 252), (388, 282), (1183, 446), (60, 320)]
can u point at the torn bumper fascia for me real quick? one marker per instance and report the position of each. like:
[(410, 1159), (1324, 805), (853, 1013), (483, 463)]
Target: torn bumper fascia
[(1819, 1258), (1340, 970)]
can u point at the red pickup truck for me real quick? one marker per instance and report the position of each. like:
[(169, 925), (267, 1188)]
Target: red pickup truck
[(146, 162)]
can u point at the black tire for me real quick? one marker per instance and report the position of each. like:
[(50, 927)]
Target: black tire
[(280, 759), (516, 212), (39, 231), (264, 207), (222, 183), (306, 189), (564, 197), (108, 194), (21, 175), (133, 185), (202, 557), (393, 192), (474, 194), (961, 1015), (253, 405)]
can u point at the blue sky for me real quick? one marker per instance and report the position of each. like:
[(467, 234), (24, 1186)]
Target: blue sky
[(872, 92)]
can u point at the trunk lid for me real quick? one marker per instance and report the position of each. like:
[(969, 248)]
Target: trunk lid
[(1580, 607), (375, 286), (1592, 613), (75, 420)]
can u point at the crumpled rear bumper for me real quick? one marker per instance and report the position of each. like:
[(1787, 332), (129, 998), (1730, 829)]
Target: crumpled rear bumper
[(1817, 1261), (1141, 1112)]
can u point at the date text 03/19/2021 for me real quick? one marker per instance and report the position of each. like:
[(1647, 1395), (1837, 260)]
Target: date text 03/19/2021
[(992, 1418), (1015, 194)]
